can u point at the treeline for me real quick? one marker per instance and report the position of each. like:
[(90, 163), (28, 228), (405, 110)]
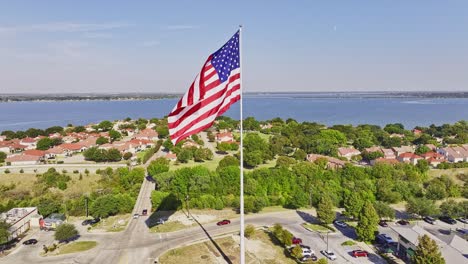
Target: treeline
[(102, 155), (117, 193), (299, 185)]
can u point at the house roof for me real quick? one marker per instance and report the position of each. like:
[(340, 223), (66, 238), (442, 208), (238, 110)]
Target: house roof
[(71, 146), (388, 161), (403, 149), (346, 151), (55, 150), (147, 132), (28, 140), (373, 149), (171, 156), (22, 157), (34, 152)]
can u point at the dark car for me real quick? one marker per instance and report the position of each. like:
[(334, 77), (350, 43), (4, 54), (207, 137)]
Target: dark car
[(145, 212), (296, 241), (150, 178), (359, 253), (224, 222), (94, 221), (447, 219), (383, 223), (30, 242), (429, 220), (402, 222), (86, 222)]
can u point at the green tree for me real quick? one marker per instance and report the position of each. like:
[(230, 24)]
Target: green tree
[(296, 252), (253, 158), (44, 143), (104, 206), (421, 206), (251, 124), (185, 155), (427, 252), (300, 155), (228, 161), (65, 232), (114, 135), (163, 130), (367, 223), (384, 210), (223, 147), (102, 140), (127, 155), (105, 125), (114, 155), (158, 165), (4, 234), (3, 156), (421, 149), (284, 161), (353, 204), (49, 204), (451, 208), (325, 211), (322, 261)]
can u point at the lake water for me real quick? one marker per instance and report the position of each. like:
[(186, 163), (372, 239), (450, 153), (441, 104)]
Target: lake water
[(329, 111)]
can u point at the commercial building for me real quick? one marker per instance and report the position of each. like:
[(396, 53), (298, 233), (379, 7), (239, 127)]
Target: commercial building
[(20, 220)]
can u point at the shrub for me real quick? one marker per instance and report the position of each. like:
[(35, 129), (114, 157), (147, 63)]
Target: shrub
[(65, 232), (76, 172), (7, 171), (21, 171), (249, 231)]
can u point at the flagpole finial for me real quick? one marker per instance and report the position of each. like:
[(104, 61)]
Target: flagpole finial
[(240, 26)]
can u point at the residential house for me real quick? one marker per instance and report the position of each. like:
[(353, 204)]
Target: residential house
[(56, 151), (431, 147), (224, 137), (348, 153), (17, 147), (147, 133), (35, 152), (462, 151), (384, 160), (21, 159), (55, 135), (373, 149), (451, 154), (2, 138), (72, 148), (388, 154), (30, 143), (333, 163), (417, 132), (403, 149), (408, 157), (4, 147), (190, 143), (171, 156), (433, 158)]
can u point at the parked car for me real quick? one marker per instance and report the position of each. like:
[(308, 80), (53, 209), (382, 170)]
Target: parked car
[(150, 178), (86, 222), (340, 223), (463, 220), (384, 238), (145, 212), (447, 219), (429, 220), (329, 254), (307, 252), (91, 221), (31, 241), (308, 257), (359, 253), (402, 222), (462, 231), (224, 222), (296, 241), (383, 223), (135, 216)]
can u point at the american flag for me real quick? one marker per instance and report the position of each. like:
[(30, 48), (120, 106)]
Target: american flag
[(214, 90)]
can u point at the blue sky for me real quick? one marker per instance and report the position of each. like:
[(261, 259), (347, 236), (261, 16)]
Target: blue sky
[(155, 46)]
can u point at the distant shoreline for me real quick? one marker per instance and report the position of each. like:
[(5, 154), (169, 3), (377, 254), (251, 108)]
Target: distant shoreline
[(6, 98)]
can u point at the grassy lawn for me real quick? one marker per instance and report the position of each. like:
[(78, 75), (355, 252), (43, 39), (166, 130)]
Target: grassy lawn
[(210, 164), (26, 182), (452, 173), (259, 249), (169, 226), (315, 227), (76, 247), (268, 164), (111, 224)]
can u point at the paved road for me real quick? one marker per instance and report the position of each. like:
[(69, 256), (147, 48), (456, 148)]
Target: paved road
[(137, 245)]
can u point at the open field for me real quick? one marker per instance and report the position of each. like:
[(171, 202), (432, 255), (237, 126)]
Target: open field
[(26, 182), (452, 173), (114, 223), (259, 249), (76, 247)]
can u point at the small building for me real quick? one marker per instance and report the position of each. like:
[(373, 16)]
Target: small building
[(408, 239), (332, 163), (348, 153), (408, 157), (403, 149), (52, 221), (171, 156), (388, 153), (19, 220), (373, 149), (23, 159), (147, 133), (224, 137), (30, 143)]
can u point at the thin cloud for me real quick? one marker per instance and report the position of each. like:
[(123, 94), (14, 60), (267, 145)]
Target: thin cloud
[(150, 43), (97, 35), (180, 27), (63, 27)]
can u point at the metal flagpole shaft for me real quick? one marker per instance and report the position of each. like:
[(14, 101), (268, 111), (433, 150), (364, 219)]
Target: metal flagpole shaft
[(242, 242)]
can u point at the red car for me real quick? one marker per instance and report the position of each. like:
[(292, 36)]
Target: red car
[(224, 222), (359, 253), (296, 241)]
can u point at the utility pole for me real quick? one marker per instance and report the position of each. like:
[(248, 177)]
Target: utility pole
[(86, 202)]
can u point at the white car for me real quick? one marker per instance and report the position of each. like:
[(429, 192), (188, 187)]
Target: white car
[(340, 223), (329, 254), (135, 216)]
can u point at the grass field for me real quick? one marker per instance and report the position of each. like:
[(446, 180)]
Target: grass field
[(452, 173), (111, 224), (168, 227), (76, 247), (259, 249), (26, 182), (317, 228)]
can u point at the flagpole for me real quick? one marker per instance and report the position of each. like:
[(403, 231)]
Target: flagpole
[(242, 242)]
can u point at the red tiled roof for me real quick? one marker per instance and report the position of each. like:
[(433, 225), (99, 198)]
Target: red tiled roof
[(34, 152), (55, 150), (71, 146), (21, 157), (28, 140)]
